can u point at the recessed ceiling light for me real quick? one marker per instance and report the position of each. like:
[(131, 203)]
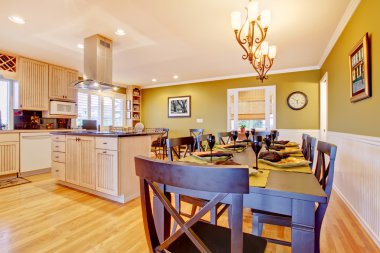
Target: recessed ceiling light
[(81, 46), (120, 32), (154, 80), (17, 20), (175, 77)]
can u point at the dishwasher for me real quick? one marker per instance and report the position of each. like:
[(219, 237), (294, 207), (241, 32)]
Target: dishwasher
[(35, 151)]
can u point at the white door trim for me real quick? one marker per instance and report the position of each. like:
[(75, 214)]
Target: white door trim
[(323, 102)]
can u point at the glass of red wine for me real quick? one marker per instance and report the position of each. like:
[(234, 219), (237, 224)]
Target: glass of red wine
[(211, 144), (247, 136), (253, 133), (268, 141), (256, 146), (234, 137)]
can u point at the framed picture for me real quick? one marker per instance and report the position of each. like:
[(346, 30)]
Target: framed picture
[(179, 107), (360, 86)]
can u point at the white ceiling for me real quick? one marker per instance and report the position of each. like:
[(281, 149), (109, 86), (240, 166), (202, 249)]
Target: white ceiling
[(192, 39)]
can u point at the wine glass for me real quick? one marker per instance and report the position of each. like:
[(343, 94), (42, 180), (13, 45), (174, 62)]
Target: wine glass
[(247, 136), (273, 136), (267, 141), (211, 143), (234, 137), (256, 146), (253, 133)]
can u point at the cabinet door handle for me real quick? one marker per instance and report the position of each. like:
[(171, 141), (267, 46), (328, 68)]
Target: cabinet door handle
[(104, 152), (57, 146), (56, 170), (105, 143), (57, 157)]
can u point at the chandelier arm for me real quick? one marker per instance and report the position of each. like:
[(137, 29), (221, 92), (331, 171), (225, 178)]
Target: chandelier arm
[(241, 43)]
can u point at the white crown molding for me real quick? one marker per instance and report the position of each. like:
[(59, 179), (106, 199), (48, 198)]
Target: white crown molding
[(280, 71), (339, 29)]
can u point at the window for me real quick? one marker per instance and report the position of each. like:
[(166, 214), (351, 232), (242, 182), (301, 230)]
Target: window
[(119, 109), (4, 103), (107, 111), (106, 108), (252, 107), (95, 108)]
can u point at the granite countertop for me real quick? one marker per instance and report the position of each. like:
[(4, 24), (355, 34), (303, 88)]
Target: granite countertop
[(36, 131), (106, 134)]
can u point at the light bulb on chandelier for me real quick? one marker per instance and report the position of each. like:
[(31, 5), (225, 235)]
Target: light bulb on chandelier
[(251, 36)]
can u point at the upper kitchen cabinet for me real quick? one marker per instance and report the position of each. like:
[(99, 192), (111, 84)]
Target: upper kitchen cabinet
[(60, 80), (31, 91)]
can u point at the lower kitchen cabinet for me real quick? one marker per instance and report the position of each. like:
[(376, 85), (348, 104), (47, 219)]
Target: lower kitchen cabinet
[(107, 171), (58, 171), (80, 169), (9, 158)]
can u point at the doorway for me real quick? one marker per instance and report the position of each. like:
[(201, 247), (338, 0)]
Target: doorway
[(253, 107), (323, 107)]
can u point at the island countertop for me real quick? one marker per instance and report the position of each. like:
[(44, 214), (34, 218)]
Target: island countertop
[(106, 134)]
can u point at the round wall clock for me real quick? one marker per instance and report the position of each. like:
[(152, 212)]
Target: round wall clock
[(297, 100)]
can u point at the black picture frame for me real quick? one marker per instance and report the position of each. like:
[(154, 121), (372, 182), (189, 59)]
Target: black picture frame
[(179, 107)]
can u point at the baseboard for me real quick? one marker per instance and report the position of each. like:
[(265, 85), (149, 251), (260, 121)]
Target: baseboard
[(358, 217), (34, 172)]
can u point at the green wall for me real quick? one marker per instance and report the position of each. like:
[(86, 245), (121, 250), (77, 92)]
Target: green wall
[(209, 101), (361, 117)]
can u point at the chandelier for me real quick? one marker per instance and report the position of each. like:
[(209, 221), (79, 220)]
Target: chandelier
[(251, 37)]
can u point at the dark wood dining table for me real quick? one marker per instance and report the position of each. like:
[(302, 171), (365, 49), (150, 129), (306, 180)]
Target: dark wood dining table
[(288, 193)]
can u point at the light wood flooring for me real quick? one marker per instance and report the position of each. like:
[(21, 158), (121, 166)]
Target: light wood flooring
[(44, 217)]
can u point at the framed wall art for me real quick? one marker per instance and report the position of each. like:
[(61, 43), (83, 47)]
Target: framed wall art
[(360, 83), (179, 107)]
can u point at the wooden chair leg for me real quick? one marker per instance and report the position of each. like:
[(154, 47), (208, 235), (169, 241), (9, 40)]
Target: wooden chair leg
[(178, 208), (213, 213), (257, 226), (193, 210)]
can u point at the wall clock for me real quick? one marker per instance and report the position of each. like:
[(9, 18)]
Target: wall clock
[(297, 100)]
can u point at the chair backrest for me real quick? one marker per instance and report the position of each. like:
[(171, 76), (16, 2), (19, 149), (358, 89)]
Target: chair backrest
[(310, 150), (196, 131), (174, 147), (213, 183), (200, 139), (226, 135), (161, 139), (303, 146), (324, 172)]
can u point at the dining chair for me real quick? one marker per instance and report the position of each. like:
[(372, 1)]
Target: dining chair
[(303, 146), (195, 132), (214, 183), (159, 145), (226, 135), (179, 147), (310, 150), (173, 146), (201, 142), (324, 172)]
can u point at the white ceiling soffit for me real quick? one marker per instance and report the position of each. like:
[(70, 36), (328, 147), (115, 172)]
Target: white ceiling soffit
[(191, 39)]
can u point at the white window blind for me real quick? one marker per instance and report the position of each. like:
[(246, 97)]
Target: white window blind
[(107, 111), (119, 112), (95, 108), (82, 106)]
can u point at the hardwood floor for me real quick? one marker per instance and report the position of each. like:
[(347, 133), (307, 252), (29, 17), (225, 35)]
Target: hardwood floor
[(44, 217)]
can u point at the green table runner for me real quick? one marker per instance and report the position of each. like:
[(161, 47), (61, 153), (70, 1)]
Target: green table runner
[(257, 180)]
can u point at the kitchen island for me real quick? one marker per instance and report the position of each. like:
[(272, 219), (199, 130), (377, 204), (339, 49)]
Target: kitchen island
[(100, 163)]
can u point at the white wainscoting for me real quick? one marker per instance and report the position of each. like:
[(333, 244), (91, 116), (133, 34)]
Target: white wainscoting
[(296, 134), (357, 177)]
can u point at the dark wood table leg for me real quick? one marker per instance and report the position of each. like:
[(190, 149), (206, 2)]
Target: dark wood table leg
[(303, 221), (161, 217)]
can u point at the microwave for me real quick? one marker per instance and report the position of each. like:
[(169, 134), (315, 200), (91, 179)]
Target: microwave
[(63, 108)]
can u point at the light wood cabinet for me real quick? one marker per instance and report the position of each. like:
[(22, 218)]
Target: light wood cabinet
[(60, 83), (80, 168), (9, 157), (31, 91), (107, 171)]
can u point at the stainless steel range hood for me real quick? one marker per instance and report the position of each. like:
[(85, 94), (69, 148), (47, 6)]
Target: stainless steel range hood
[(97, 64)]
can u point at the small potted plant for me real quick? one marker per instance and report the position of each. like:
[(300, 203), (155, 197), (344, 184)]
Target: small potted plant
[(242, 126)]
